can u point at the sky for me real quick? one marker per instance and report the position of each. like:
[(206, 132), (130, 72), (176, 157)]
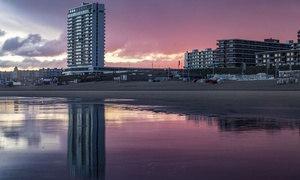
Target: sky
[(140, 33)]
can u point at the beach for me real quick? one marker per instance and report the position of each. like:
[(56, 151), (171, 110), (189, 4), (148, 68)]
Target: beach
[(263, 99)]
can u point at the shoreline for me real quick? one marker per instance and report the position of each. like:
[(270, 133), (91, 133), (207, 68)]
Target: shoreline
[(233, 98), (269, 104), (262, 85)]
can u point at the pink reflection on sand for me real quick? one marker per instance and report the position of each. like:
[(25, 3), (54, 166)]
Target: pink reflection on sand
[(32, 123)]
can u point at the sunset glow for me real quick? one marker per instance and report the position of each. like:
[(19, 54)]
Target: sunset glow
[(140, 33)]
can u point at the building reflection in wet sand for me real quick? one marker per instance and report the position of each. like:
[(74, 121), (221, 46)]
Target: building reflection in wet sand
[(135, 142), (239, 124), (86, 141)]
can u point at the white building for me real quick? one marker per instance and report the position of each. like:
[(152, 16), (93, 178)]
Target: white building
[(86, 38), (199, 59)]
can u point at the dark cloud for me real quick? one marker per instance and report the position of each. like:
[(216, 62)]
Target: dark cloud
[(35, 46), (34, 63), (15, 43), (12, 44), (2, 33), (33, 39), (46, 48)]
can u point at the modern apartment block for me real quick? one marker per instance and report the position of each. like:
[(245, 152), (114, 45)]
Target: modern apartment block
[(199, 59), (235, 52), (280, 57), (86, 38)]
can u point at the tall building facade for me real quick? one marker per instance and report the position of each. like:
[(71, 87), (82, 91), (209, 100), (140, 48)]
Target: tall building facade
[(86, 38), (199, 59), (235, 52)]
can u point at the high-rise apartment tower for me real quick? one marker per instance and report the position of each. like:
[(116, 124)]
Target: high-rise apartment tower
[(86, 38)]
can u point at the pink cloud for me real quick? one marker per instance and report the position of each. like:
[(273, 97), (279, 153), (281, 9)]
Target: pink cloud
[(146, 64)]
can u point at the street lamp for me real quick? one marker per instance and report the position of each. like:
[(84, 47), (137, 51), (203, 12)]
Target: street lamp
[(276, 68), (213, 66), (290, 66), (243, 67), (188, 74)]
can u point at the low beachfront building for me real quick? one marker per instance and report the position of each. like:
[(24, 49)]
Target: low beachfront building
[(5, 76), (50, 72), (30, 75), (199, 59), (278, 58)]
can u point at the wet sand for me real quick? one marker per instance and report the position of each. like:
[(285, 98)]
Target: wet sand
[(251, 98)]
